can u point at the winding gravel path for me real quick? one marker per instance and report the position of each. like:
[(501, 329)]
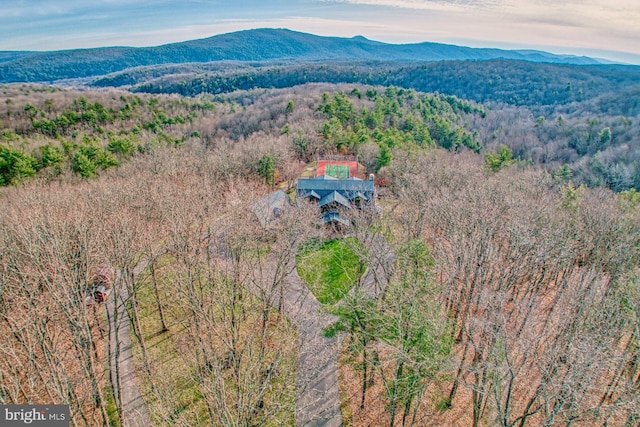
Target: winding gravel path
[(134, 408), (318, 396)]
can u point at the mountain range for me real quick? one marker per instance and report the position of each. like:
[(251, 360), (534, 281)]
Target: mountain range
[(248, 45)]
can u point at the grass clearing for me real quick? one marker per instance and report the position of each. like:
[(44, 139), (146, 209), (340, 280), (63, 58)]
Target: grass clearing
[(176, 396), (174, 385), (330, 268)]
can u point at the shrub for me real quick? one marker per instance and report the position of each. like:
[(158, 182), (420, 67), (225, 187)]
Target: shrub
[(90, 157), (267, 168), (52, 155), (84, 166), (15, 165), (495, 161), (121, 145)]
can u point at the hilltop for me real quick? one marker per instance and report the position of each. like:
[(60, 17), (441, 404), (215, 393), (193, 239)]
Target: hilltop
[(249, 45)]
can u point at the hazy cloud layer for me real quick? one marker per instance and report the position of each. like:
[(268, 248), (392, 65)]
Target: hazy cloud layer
[(572, 25), (422, 4)]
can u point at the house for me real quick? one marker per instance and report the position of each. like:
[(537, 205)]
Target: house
[(333, 195), (270, 207)]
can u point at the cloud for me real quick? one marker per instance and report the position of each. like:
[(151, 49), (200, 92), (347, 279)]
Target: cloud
[(599, 24), (443, 5), (610, 14), (587, 13)]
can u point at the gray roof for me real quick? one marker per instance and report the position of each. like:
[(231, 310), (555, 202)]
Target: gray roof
[(330, 191), (270, 206), (334, 217), (334, 197), (342, 185)]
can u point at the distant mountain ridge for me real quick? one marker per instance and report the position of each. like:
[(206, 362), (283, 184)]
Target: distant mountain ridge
[(248, 45)]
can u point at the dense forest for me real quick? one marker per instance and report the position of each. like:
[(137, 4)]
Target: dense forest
[(49, 133), (263, 44), (577, 122), (512, 297), (581, 121), (575, 117), (520, 83)]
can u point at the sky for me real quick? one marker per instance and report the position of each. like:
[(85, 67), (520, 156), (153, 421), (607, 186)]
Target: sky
[(599, 28)]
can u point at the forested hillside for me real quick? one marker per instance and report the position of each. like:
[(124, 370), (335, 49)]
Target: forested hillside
[(540, 86), (575, 117), (578, 123), (508, 295), (582, 119), (250, 45), (54, 134)]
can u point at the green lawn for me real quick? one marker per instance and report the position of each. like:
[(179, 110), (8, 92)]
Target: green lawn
[(330, 268)]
